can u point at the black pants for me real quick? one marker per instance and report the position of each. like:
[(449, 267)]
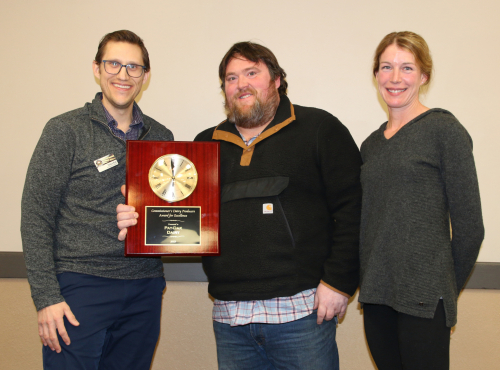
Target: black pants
[(403, 342)]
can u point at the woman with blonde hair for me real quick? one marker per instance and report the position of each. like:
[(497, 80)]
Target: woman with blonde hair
[(418, 176)]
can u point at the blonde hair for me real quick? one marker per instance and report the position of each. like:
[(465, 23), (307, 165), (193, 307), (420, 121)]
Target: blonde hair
[(412, 42)]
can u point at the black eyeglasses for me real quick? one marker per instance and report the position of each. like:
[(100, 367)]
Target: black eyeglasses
[(133, 70)]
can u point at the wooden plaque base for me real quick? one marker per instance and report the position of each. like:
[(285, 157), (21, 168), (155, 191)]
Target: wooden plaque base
[(205, 156)]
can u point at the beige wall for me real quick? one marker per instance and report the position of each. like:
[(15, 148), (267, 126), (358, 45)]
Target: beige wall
[(325, 46), (187, 340)]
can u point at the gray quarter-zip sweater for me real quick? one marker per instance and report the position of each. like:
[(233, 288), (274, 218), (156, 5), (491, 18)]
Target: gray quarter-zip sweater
[(68, 218)]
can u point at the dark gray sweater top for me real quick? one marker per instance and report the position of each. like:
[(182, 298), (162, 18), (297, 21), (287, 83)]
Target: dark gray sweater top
[(414, 184), (68, 212)]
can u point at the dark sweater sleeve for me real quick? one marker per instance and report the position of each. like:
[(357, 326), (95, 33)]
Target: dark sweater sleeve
[(462, 190), (48, 173), (340, 163)]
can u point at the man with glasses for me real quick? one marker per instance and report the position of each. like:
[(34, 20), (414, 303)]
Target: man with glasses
[(95, 307)]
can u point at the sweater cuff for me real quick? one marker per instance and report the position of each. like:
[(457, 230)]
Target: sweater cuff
[(335, 290), (41, 301)]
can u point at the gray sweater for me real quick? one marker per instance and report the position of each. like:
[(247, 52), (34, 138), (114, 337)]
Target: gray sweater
[(414, 184), (68, 218)]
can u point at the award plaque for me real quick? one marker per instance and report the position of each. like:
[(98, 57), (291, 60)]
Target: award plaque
[(174, 186)]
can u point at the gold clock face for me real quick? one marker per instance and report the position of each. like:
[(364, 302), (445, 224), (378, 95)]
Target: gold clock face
[(173, 177)]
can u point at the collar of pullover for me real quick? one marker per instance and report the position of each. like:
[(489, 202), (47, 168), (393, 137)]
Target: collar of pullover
[(96, 113), (226, 130)]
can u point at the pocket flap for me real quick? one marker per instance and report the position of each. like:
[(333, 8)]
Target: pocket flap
[(255, 188)]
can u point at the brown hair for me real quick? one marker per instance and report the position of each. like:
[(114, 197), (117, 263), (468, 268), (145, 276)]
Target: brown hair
[(123, 36), (412, 42), (255, 53)]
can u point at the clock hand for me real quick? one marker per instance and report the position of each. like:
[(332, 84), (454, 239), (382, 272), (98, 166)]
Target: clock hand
[(173, 166)]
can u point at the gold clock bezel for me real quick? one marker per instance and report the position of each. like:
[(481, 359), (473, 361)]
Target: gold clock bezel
[(170, 178)]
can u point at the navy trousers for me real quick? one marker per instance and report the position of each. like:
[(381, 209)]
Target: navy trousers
[(119, 323)]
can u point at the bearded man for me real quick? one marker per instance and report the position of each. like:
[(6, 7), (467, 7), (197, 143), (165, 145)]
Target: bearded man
[(290, 212)]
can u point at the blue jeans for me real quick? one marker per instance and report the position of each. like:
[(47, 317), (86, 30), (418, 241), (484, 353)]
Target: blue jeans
[(300, 344), (119, 323)]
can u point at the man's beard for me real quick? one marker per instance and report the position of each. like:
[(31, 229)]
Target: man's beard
[(260, 113)]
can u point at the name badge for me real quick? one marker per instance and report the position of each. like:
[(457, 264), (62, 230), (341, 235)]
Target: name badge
[(106, 162)]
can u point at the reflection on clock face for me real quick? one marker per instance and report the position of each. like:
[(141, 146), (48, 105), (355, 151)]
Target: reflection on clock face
[(173, 177)]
